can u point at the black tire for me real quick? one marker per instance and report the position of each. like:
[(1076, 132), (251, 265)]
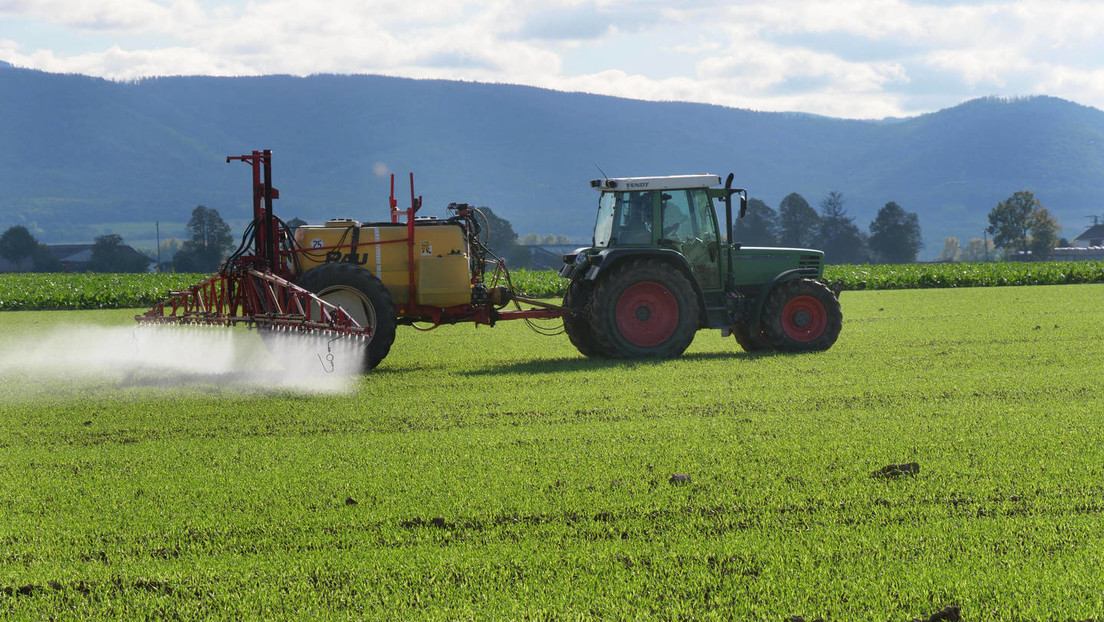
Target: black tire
[(576, 319), (801, 315), (363, 297), (749, 342), (644, 309)]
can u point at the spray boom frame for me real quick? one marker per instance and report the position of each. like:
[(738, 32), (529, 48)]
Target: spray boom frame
[(253, 286)]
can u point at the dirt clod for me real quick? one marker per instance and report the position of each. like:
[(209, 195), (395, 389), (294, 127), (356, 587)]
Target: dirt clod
[(952, 613), (910, 469), (350, 501)]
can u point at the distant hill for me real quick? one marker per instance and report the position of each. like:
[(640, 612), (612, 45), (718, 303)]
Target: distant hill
[(82, 155)]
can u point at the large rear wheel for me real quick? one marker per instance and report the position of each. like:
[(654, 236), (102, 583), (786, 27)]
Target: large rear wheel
[(644, 309), (363, 297), (801, 315), (576, 318)]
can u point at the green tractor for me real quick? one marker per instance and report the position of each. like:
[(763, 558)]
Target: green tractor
[(659, 268)]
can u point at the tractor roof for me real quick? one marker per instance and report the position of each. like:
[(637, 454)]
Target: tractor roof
[(673, 182)]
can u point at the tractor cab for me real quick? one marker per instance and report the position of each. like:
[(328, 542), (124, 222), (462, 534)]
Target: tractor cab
[(674, 212)]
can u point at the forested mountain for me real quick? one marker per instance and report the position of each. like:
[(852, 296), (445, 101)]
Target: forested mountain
[(82, 156)]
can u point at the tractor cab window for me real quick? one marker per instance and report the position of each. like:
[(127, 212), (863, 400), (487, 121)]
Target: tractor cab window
[(690, 228), (704, 215), (632, 217), (603, 227), (677, 223)]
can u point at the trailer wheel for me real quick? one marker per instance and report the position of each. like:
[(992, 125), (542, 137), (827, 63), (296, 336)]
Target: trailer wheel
[(801, 315), (748, 341), (363, 297), (644, 309), (576, 319)]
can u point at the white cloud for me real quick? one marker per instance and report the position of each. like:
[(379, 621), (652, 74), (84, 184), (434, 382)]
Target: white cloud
[(859, 58), (117, 16)]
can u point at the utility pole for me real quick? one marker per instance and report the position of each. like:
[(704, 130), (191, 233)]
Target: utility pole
[(157, 227)]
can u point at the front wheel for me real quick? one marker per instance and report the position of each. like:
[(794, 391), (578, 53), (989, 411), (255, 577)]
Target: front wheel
[(363, 297), (801, 315), (644, 309), (749, 342)]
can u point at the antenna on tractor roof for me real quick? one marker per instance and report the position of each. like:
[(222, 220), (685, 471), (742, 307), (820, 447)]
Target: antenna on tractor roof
[(604, 177)]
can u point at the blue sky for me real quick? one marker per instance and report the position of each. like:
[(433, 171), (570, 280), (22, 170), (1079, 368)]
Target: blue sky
[(847, 58)]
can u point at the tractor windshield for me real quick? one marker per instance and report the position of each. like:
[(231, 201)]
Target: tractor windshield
[(624, 218), (603, 228)]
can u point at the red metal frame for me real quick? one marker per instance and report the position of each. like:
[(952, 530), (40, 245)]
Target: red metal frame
[(253, 287), (266, 248), (250, 296)]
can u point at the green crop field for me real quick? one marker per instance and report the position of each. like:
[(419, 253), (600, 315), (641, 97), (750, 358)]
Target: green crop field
[(113, 291), (492, 473)]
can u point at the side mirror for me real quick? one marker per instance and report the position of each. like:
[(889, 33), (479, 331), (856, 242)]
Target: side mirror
[(743, 202)]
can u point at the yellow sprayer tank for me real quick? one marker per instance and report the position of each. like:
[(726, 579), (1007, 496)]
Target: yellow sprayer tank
[(441, 272)]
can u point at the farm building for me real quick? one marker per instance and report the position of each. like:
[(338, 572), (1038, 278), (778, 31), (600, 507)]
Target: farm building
[(1093, 236), (1088, 245), (73, 258)]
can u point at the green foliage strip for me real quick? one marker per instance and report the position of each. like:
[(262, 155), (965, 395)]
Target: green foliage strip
[(117, 291), (88, 291), (923, 276)]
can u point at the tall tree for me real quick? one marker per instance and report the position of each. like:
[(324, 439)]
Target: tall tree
[(109, 254), (500, 235), (895, 235), (952, 250), (840, 239), (798, 223), (169, 248), (978, 250), (758, 227), (17, 244), (1010, 221), (44, 260), (294, 224), (1044, 233), (209, 244)]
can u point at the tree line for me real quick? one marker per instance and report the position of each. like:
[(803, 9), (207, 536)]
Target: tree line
[(892, 237), (1017, 224), (1021, 227), (203, 251)]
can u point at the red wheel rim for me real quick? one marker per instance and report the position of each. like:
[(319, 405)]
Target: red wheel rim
[(804, 319), (647, 314)]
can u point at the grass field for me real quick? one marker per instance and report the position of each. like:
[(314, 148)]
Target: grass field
[(494, 473)]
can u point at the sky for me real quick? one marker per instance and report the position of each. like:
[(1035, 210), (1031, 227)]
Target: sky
[(864, 59)]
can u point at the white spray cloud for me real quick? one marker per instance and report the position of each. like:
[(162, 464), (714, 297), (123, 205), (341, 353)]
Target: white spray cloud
[(178, 357)]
